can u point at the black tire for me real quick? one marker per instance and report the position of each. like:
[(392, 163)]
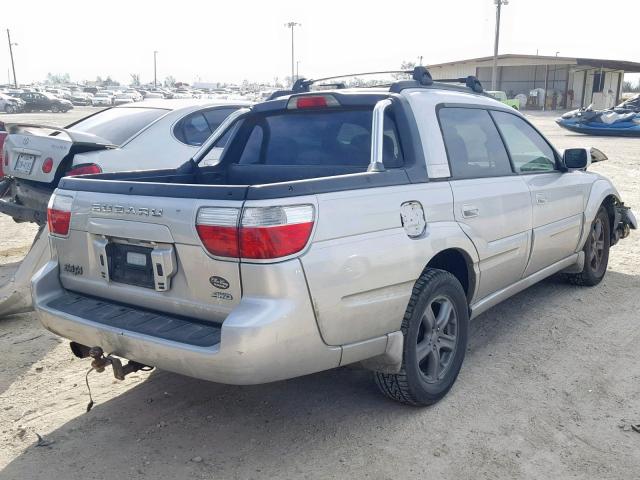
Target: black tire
[(596, 252), (438, 292), (10, 108), (55, 108)]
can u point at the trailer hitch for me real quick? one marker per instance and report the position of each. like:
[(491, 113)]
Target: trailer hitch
[(101, 361)]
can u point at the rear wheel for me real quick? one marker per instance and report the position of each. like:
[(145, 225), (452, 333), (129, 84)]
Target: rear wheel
[(435, 340), (596, 252), (10, 108)]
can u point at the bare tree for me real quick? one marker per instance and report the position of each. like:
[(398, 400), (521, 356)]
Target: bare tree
[(135, 79), (169, 81)]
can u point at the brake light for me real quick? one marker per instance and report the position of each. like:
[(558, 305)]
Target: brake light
[(5, 162), (85, 169), (59, 214), (312, 101), (218, 230), (263, 232), (47, 165)]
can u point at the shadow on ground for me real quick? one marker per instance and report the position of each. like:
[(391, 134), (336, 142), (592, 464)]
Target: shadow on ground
[(172, 426)]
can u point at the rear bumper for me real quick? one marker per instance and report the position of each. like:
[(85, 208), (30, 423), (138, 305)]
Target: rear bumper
[(267, 337), (22, 202)]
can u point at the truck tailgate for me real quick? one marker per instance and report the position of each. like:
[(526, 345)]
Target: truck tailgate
[(145, 251)]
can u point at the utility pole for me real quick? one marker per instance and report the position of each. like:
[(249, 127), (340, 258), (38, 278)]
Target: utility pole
[(420, 60), (13, 66), (297, 69), (494, 72), (155, 71), (292, 26)]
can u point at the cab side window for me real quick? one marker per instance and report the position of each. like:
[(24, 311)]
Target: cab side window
[(473, 144), (529, 151)]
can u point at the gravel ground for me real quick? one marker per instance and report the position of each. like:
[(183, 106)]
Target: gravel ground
[(549, 389)]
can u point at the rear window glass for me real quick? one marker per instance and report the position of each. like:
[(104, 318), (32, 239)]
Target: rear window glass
[(116, 125), (337, 138)]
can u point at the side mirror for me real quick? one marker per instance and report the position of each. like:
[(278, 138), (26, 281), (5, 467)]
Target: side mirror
[(581, 158)]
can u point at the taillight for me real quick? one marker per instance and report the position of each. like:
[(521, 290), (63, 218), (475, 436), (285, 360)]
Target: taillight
[(218, 230), (262, 232), (312, 101), (273, 232), (59, 214), (85, 169), (3, 161), (47, 165)]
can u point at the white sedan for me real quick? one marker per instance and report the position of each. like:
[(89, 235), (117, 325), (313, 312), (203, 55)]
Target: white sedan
[(102, 98), (154, 134)]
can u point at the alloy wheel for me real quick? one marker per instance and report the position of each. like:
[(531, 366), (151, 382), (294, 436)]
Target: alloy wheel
[(437, 339)]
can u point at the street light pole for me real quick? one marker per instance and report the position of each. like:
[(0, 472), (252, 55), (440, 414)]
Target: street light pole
[(297, 69), (494, 72), (292, 25), (13, 66), (155, 76)]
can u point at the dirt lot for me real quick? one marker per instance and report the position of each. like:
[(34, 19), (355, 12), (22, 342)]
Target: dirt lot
[(549, 388)]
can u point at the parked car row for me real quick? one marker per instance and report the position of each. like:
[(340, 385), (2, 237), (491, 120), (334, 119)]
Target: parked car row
[(314, 230)]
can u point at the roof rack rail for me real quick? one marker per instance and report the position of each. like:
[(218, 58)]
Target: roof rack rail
[(421, 77)]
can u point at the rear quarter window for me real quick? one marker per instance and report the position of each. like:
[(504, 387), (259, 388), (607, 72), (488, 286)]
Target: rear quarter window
[(196, 127)]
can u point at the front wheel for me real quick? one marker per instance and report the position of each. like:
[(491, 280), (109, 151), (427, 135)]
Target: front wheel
[(596, 252), (55, 108), (435, 329), (10, 109)]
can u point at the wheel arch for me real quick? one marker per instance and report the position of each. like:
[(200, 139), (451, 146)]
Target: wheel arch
[(603, 193), (460, 264)]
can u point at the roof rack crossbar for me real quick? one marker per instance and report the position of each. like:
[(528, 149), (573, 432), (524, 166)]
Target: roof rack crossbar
[(421, 77)]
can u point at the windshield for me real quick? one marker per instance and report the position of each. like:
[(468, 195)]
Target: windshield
[(321, 138), (117, 125)]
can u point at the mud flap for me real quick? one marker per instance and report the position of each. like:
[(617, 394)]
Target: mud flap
[(15, 295)]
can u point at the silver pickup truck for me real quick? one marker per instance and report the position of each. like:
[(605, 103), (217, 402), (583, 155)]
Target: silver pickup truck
[(336, 226)]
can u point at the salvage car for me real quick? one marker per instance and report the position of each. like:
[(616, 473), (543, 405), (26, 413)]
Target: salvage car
[(38, 101), (335, 227), (80, 98), (103, 98), (156, 134), (11, 104), (502, 97)]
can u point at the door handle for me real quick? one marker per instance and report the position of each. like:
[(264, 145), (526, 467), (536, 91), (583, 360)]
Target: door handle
[(541, 199), (470, 211)]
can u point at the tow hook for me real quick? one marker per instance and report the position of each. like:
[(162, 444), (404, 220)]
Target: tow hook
[(100, 362)]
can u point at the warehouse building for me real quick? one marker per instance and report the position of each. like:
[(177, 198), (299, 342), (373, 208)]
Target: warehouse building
[(549, 83)]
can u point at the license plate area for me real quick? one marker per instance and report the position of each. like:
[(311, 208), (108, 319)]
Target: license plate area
[(24, 163), (131, 264)]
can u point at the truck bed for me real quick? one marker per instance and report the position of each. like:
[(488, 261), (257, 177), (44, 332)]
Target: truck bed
[(235, 182)]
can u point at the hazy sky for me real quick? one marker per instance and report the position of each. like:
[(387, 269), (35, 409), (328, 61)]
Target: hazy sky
[(235, 40)]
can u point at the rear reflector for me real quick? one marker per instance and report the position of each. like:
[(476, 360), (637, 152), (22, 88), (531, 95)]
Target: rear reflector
[(312, 101), (59, 214), (263, 233), (86, 169)]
